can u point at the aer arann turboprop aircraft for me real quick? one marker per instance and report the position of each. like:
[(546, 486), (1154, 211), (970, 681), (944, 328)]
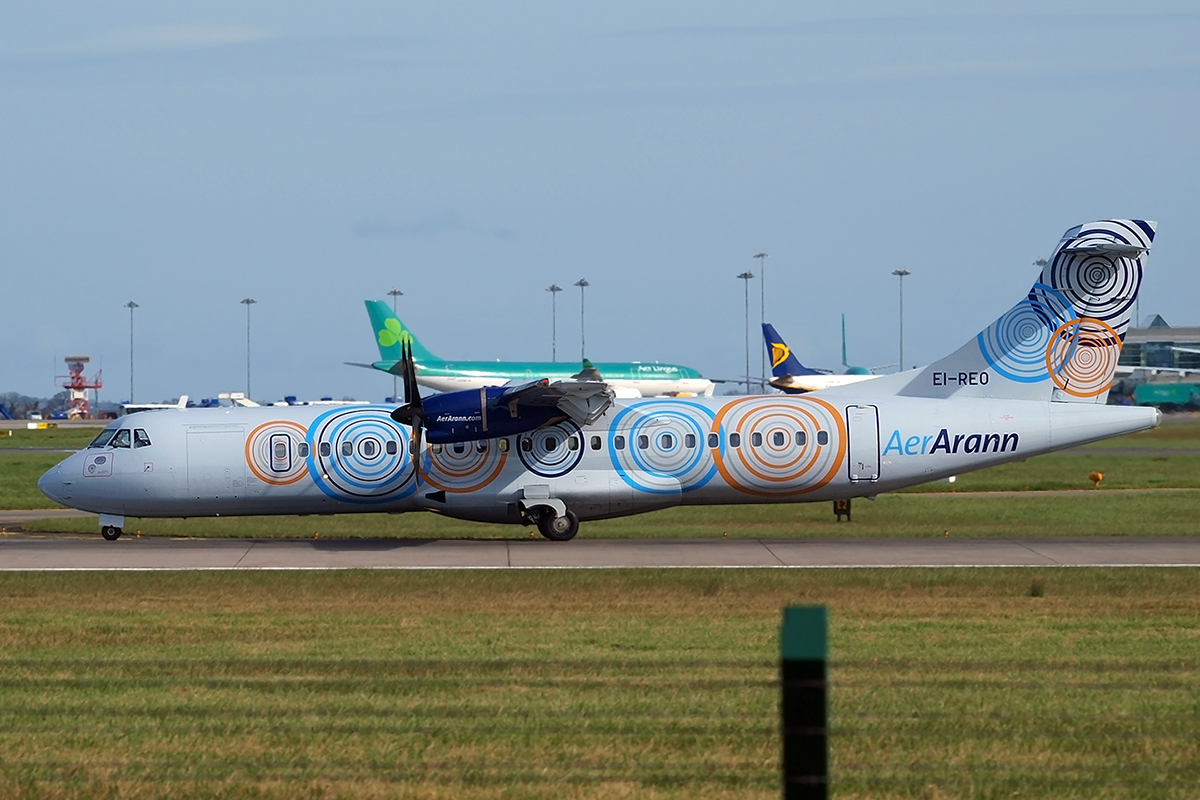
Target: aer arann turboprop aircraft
[(1033, 381)]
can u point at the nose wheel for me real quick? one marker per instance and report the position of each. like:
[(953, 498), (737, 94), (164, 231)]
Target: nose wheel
[(110, 532)]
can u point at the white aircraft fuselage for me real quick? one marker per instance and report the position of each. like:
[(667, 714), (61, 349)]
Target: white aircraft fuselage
[(1033, 381), (644, 455)]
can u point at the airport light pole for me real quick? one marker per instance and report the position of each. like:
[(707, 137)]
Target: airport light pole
[(131, 306), (900, 273), (554, 289), (582, 284), (395, 293), (762, 257), (746, 276), (247, 302)]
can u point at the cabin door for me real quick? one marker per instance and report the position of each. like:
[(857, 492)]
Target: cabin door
[(862, 426)]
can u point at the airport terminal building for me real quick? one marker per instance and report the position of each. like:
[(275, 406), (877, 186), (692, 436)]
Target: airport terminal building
[(1158, 345)]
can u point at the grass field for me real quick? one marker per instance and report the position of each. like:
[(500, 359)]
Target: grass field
[(651, 684)]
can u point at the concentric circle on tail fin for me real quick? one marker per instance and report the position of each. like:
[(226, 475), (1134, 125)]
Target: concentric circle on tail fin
[(1082, 357)]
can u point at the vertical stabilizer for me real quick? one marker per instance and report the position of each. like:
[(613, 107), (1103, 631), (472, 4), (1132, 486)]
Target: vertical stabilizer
[(390, 333), (1061, 341), (783, 363)]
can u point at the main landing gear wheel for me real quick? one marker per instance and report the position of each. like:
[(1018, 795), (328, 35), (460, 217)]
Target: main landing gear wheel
[(556, 528), (110, 532)]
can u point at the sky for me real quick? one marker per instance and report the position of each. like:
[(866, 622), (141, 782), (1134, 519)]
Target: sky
[(187, 155)]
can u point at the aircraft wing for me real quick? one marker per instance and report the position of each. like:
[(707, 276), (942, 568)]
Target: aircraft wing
[(583, 401)]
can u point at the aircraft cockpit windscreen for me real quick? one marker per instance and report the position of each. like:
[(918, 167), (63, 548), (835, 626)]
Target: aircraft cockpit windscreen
[(122, 439), (102, 439)]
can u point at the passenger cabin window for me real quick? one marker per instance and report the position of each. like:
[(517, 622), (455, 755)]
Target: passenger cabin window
[(735, 439), (756, 439), (502, 445), (481, 446), (302, 449), (573, 443), (689, 441), (713, 440), (551, 443), (325, 449), (140, 438), (458, 448), (347, 448), (618, 442), (369, 448), (801, 438), (778, 439), (822, 437), (390, 447), (595, 443), (667, 441), (643, 441), (526, 444), (281, 451), (122, 439), (435, 448)]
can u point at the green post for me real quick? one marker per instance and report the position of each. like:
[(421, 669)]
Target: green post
[(803, 707)]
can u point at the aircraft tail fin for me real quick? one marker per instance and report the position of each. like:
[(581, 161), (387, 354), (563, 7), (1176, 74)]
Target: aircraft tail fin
[(1061, 341), (783, 363), (390, 333)]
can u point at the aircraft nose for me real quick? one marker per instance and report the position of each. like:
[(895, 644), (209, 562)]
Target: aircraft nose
[(51, 484)]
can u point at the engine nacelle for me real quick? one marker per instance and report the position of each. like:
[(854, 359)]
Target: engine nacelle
[(486, 413)]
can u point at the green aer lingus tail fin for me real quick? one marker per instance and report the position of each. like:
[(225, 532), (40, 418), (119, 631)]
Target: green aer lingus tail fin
[(390, 332)]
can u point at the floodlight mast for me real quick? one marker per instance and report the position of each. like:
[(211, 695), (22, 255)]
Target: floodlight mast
[(554, 289), (247, 302), (395, 293), (762, 257), (900, 273), (582, 284), (131, 306), (747, 276)]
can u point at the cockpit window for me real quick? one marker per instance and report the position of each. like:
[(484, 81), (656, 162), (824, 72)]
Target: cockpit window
[(102, 438), (140, 439), (122, 439)]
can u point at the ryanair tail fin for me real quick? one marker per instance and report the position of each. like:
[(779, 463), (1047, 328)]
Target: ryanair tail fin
[(390, 332), (1061, 342), (783, 363)]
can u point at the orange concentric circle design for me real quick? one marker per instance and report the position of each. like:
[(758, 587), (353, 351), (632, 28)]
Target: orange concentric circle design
[(789, 458), (463, 466), (273, 452), (1082, 356)]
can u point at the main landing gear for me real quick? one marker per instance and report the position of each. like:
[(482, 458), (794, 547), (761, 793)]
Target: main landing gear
[(554, 526), (110, 532)]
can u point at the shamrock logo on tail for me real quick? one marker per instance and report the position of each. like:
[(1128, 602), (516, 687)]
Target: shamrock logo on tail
[(393, 333)]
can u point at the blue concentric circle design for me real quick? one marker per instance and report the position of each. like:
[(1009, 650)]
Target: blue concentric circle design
[(550, 454), (1015, 345), (663, 439), (355, 463)]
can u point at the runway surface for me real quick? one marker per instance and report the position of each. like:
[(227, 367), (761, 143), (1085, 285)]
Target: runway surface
[(65, 552)]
